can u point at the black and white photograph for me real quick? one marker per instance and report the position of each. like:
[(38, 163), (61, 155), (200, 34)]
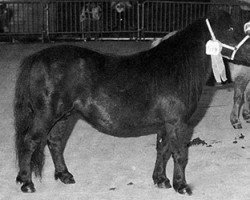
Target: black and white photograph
[(124, 99)]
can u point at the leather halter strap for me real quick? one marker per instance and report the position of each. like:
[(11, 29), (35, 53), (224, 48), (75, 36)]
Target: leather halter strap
[(235, 48)]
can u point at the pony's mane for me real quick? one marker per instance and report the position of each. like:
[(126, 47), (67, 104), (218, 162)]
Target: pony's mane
[(179, 42), (192, 32)]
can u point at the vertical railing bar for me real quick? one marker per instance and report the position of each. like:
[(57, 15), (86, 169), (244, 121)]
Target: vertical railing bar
[(13, 18), (67, 17), (120, 21), (152, 18), (156, 17), (27, 17), (59, 20), (187, 14), (49, 20), (141, 26), (182, 16), (165, 17), (203, 9), (124, 19), (33, 18), (73, 17), (70, 17), (111, 18), (169, 16), (57, 16), (18, 17), (23, 17), (177, 15), (174, 18), (106, 17), (199, 10), (160, 17), (100, 23), (147, 21), (26, 8), (155, 28), (62, 19), (131, 20), (195, 11), (138, 8)]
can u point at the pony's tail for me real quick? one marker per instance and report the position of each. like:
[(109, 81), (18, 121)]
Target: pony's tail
[(24, 117)]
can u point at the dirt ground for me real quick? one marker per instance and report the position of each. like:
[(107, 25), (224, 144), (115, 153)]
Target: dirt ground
[(109, 168)]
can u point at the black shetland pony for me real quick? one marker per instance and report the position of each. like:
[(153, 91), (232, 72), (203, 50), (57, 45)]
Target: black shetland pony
[(154, 91)]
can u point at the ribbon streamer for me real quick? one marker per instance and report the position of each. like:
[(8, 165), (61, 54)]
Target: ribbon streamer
[(218, 65)]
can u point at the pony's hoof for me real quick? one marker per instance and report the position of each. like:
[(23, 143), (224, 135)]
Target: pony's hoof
[(19, 180), (65, 177), (28, 187), (246, 116), (237, 125), (182, 189), (163, 183)]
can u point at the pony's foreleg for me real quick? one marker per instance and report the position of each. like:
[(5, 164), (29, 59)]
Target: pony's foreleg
[(57, 140), (239, 89), (163, 155), (31, 154), (179, 148)]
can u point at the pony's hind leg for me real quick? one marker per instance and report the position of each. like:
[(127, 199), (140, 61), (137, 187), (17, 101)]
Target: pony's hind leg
[(57, 140), (179, 148), (163, 155), (30, 156)]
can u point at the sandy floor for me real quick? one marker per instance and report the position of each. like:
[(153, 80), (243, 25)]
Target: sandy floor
[(106, 167)]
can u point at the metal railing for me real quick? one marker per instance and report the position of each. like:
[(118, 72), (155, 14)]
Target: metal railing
[(102, 18), (91, 18)]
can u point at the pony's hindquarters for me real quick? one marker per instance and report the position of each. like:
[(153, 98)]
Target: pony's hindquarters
[(46, 89), (23, 114), (31, 128)]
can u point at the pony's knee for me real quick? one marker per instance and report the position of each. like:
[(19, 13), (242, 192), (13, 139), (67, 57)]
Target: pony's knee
[(238, 96)]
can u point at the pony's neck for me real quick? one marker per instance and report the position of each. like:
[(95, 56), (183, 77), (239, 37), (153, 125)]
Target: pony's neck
[(196, 31)]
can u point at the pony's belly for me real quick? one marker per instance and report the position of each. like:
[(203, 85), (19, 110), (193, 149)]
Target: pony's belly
[(125, 122), (131, 131), (126, 125)]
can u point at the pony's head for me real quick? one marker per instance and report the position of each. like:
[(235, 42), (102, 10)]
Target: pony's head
[(231, 35)]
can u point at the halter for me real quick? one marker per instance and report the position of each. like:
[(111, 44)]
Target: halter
[(235, 48)]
